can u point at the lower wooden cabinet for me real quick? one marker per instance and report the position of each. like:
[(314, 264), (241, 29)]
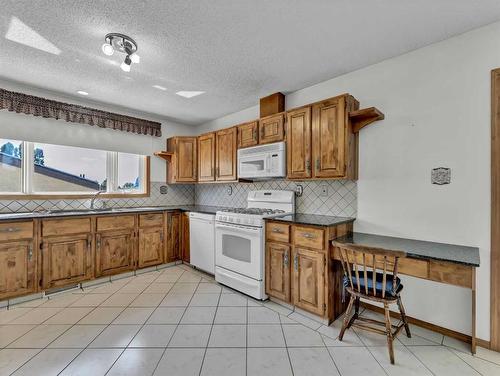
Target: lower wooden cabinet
[(114, 252), (173, 236), (66, 260), (151, 247), (185, 249), (278, 271), (17, 269), (309, 280)]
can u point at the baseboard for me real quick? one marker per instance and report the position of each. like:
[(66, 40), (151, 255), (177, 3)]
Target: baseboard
[(427, 325)]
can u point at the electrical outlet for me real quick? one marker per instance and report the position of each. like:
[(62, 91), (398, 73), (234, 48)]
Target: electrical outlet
[(323, 190), (229, 190), (163, 189)]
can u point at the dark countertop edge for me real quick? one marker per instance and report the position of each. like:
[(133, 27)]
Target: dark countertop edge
[(411, 255), (294, 221), (183, 208)]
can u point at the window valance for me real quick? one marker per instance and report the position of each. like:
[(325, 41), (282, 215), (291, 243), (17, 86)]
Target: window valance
[(36, 106)]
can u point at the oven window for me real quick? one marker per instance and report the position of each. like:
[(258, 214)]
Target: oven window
[(236, 248)]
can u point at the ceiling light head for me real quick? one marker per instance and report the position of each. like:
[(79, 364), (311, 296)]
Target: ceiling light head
[(124, 44), (126, 64), (81, 92), (189, 94), (108, 49), (136, 59)]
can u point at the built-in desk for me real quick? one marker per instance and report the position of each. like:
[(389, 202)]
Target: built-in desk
[(445, 263)]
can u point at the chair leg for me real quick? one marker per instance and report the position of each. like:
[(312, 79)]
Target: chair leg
[(403, 317), (345, 324), (388, 329)]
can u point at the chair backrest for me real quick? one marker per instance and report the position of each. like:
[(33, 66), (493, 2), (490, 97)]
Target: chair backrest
[(357, 261)]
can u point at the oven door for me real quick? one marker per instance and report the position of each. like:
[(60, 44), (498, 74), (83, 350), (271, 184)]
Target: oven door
[(240, 249)]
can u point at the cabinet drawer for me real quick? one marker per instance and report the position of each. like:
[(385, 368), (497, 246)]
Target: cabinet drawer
[(278, 232), (115, 223), (415, 268), (153, 219), (309, 237), (56, 227), (16, 230), (453, 274)]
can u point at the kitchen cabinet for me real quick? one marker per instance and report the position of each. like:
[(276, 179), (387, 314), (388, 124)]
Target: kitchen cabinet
[(185, 245), (225, 154), (278, 271), (150, 249), (248, 134), (206, 157), (173, 236), (114, 252), (271, 128), (17, 259), (298, 149), (66, 260), (309, 280), (182, 166)]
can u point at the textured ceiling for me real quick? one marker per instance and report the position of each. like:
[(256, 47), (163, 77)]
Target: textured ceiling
[(235, 50)]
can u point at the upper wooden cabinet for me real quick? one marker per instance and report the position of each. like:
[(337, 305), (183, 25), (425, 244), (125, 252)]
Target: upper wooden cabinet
[(206, 157), (248, 134), (225, 154), (183, 160), (271, 128), (320, 141), (298, 151)]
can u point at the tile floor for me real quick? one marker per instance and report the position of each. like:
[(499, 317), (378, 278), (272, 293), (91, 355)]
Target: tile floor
[(177, 321)]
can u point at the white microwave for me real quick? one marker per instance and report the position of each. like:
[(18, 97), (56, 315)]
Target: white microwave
[(263, 161)]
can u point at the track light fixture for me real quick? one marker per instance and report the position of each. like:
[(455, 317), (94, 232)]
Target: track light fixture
[(124, 44)]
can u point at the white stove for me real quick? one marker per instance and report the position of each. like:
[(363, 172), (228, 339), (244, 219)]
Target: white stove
[(239, 240)]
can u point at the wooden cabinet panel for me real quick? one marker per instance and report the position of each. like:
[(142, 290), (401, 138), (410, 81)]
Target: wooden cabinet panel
[(65, 226), (298, 149), (453, 274), (277, 232), (16, 230), (118, 222), (309, 237), (114, 252), (206, 157), (278, 271), (17, 269), (66, 260), (173, 236), (309, 280), (271, 129), (248, 134), (329, 138), (185, 246), (152, 219), (150, 247), (225, 156), (186, 159)]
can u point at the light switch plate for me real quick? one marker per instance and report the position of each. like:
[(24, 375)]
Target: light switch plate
[(441, 175)]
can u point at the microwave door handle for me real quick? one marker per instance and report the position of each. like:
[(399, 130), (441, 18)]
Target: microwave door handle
[(268, 163)]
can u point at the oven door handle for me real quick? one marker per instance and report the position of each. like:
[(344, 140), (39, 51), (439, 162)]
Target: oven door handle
[(241, 229)]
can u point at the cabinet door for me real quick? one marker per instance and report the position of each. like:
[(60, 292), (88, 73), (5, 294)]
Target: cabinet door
[(173, 236), (185, 238), (17, 269), (186, 159), (114, 252), (225, 155), (329, 135), (66, 260), (248, 134), (150, 247), (309, 280), (278, 271), (298, 141), (206, 157), (271, 129)]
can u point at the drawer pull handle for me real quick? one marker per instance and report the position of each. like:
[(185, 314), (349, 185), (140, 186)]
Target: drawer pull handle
[(30, 252), (296, 262), (308, 236), (277, 230), (285, 259), (10, 230)]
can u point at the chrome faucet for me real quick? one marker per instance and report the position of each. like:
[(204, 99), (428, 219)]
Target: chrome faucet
[(94, 197)]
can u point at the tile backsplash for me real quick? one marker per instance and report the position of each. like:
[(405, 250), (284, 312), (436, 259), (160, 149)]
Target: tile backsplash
[(340, 198), (176, 195)]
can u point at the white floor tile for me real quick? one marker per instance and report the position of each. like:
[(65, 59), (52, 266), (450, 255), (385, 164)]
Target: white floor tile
[(406, 364), (158, 288), (90, 300), (231, 315), (115, 336), (282, 310), (301, 336), (166, 315), (40, 336), (9, 315), (313, 361), (262, 315), (176, 300), (102, 315), (70, 315), (484, 367), (12, 359), (136, 362), (456, 344), (9, 333), (36, 315), (61, 300), (224, 362), (232, 300), (147, 300), (355, 361), (95, 362), (228, 336), (198, 315), (268, 362), (183, 288), (208, 288), (310, 323), (441, 360), (153, 336), (190, 336), (119, 300), (265, 336), (78, 336), (133, 316), (180, 362), (48, 362), (204, 300)]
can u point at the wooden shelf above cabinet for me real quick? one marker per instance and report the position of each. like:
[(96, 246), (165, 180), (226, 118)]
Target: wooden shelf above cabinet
[(167, 155), (364, 117)]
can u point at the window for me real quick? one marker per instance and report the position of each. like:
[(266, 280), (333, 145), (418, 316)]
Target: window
[(46, 169)]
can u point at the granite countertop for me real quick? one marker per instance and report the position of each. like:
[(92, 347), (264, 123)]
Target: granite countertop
[(84, 212), (313, 219), (417, 249)]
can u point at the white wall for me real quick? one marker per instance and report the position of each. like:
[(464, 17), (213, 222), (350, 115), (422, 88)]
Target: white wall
[(38, 129), (437, 106)]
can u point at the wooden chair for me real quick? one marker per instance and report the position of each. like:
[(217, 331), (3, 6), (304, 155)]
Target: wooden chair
[(371, 274)]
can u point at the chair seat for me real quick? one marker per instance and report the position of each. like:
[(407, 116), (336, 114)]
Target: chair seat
[(378, 285)]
